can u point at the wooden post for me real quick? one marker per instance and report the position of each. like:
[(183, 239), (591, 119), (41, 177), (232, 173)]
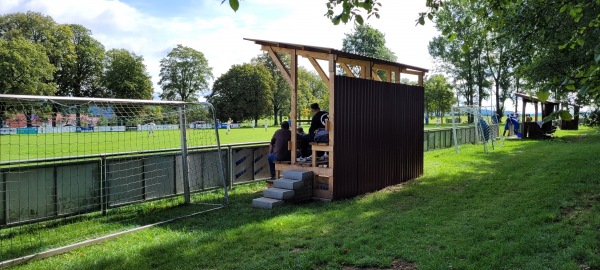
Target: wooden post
[(294, 103), (522, 127), (421, 79), (369, 71), (332, 66), (535, 103)]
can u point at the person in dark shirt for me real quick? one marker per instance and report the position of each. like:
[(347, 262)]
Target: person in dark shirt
[(318, 121), (278, 149)]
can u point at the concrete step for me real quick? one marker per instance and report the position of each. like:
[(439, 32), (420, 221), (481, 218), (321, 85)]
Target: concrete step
[(278, 193), (285, 183), (298, 175), (266, 203)]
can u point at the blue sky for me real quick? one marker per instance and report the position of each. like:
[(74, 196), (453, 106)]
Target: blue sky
[(152, 28)]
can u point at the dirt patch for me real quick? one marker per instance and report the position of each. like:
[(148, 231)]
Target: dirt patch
[(297, 250), (575, 139), (396, 265)]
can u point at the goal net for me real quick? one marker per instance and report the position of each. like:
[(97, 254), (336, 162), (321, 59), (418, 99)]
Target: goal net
[(475, 129), (73, 169)]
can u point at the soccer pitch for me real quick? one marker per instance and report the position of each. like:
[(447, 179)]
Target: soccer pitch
[(53, 145)]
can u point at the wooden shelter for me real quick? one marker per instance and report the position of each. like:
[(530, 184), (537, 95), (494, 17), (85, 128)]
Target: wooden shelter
[(532, 130), (375, 127)]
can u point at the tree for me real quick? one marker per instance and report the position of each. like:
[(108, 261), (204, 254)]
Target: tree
[(438, 95), (125, 75), (244, 92), (281, 89), (554, 43), (81, 77), (350, 10), (368, 41), (311, 89), (43, 30), (184, 73), (24, 70)]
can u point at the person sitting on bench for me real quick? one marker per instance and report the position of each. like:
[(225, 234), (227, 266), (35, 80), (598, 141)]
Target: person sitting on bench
[(317, 122), (278, 149)]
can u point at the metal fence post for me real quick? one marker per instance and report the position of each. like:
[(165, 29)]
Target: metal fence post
[(103, 185), (184, 161)]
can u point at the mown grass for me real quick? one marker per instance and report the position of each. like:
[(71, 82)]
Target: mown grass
[(43, 146), (527, 205)]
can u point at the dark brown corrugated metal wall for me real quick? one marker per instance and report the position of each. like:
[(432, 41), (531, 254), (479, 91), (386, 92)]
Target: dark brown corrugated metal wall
[(378, 135)]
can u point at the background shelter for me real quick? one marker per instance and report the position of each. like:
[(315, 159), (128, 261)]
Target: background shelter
[(375, 126), (533, 130)]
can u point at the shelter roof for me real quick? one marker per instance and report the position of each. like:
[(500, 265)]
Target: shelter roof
[(529, 98), (324, 52)]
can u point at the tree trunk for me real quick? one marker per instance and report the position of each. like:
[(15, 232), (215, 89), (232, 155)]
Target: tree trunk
[(275, 113), (498, 109)]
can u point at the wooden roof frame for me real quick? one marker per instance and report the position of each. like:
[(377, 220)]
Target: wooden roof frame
[(368, 67)]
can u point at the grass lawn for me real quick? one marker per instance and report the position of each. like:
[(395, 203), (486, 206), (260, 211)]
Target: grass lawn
[(40, 146), (527, 205)]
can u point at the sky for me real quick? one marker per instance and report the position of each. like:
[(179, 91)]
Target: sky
[(151, 28)]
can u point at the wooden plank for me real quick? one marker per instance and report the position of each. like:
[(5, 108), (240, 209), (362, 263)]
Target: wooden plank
[(325, 148), (332, 68), (388, 76), (412, 72), (284, 72), (315, 170), (421, 79), (369, 71), (352, 62), (323, 194), (294, 104), (347, 70), (319, 70), (306, 54)]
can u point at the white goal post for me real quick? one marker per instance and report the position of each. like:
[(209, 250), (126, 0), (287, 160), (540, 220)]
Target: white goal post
[(481, 126)]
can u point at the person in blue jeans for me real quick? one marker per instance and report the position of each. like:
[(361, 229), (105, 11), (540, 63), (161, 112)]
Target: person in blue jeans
[(278, 149)]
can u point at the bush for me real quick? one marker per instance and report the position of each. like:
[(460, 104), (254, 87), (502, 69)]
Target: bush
[(593, 119)]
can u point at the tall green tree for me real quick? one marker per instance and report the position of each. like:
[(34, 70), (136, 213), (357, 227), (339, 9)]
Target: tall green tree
[(184, 74), (125, 75), (368, 41), (244, 92), (43, 30), (281, 90), (24, 70), (311, 89), (81, 77), (438, 95)]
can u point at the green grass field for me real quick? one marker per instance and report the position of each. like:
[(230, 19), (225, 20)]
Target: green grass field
[(528, 205), (42, 146)]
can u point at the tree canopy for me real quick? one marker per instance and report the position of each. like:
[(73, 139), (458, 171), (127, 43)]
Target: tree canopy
[(244, 92), (25, 68), (551, 46), (125, 75), (438, 95), (368, 41), (281, 89), (184, 74)]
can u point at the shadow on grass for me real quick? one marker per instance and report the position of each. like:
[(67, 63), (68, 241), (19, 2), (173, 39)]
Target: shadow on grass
[(505, 209)]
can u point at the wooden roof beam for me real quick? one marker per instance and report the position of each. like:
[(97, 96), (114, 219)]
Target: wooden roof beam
[(284, 72), (319, 70)]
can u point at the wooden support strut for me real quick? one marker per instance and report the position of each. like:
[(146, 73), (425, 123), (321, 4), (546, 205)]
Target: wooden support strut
[(319, 70), (284, 72), (347, 70), (375, 76)]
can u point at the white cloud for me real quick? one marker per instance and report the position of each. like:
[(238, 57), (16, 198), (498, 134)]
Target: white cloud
[(218, 32)]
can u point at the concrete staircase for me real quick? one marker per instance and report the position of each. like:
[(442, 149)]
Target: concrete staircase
[(295, 186)]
